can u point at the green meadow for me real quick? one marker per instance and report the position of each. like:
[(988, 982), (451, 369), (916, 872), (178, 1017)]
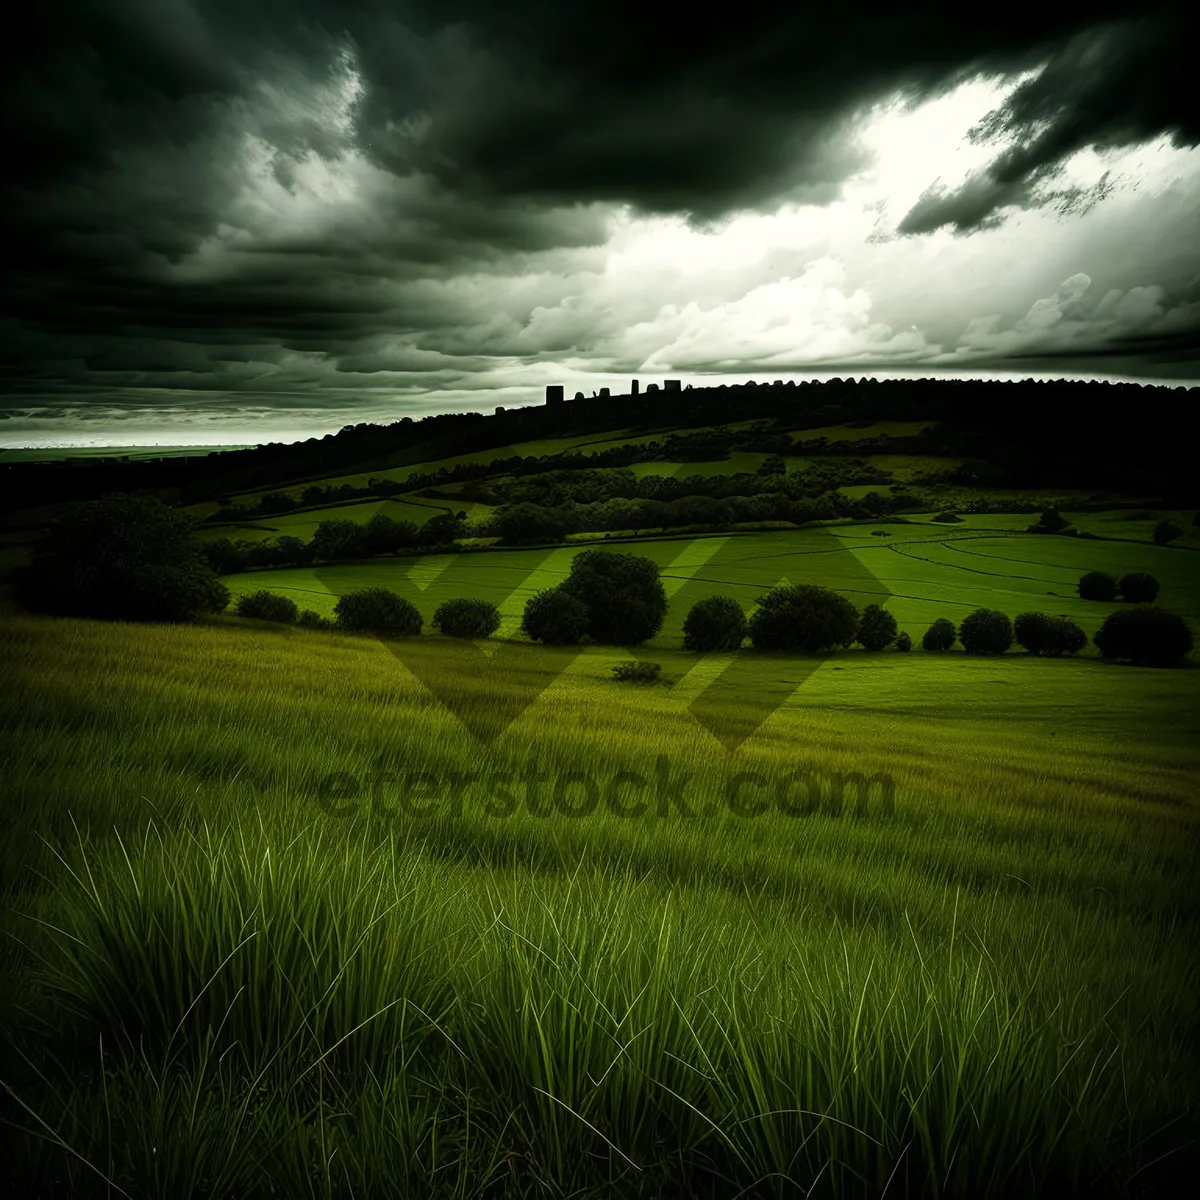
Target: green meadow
[(370, 918)]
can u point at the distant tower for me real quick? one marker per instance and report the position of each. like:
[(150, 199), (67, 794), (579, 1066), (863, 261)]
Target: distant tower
[(499, 410), (604, 392), (634, 389), (670, 385), (578, 395), (652, 387), (554, 393)]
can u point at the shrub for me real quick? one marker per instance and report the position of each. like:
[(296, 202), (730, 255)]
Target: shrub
[(1148, 636), (903, 643), (126, 557), (1165, 532), (985, 631), (267, 606), (637, 672), (941, 635), (377, 610), (313, 620), (1048, 522), (555, 617), (1139, 588), (803, 617), (467, 618), (1098, 585), (948, 518), (223, 556), (714, 623), (877, 628), (1064, 637), (623, 594), (340, 539), (1032, 631)]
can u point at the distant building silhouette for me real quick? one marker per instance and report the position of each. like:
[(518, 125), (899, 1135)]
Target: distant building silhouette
[(670, 385), (499, 410), (652, 387), (604, 392), (578, 395), (554, 393), (634, 390)]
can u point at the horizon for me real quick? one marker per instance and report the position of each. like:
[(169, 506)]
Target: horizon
[(245, 232)]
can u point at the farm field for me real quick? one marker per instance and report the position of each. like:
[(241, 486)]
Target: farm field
[(399, 474), (921, 571), (457, 997), (375, 918)]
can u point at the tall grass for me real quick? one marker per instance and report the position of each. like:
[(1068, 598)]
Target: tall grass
[(990, 990)]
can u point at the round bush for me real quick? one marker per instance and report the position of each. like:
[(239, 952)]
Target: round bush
[(941, 635), (986, 631), (313, 620), (714, 623), (1166, 531), (467, 618), (1147, 636), (377, 610), (555, 617), (267, 606), (948, 518), (1064, 637), (803, 617), (624, 597), (1098, 585), (877, 628), (1032, 631), (903, 643), (1139, 588), (123, 558)]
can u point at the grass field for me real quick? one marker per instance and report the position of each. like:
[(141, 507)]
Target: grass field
[(234, 949), (922, 571), (987, 990)]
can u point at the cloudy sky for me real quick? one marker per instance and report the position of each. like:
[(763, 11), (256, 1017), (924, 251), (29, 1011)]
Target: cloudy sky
[(251, 220)]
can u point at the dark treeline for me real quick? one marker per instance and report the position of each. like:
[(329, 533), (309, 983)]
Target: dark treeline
[(1059, 433)]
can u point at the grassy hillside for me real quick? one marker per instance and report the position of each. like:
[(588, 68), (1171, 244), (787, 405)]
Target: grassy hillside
[(922, 571), (989, 986)]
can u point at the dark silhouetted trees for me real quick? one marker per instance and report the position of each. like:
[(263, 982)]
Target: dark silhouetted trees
[(941, 635), (467, 618), (340, 539), (1040, 633), (377, 610), (1139, 588), (1049, 522), (1166, 531), (1098, 585), (1148, 636), (903, 643), (877, 628), (555, 618), (715, 623), (985, 631), (268, 606), (127, 557), (803, 617), (623, 594)]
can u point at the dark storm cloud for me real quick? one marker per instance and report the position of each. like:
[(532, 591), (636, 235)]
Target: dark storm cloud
[(1110, 86), (495, 130)]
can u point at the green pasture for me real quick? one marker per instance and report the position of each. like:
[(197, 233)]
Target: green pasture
[(988, 989), (921, 572), (527, 449), (843, 433), (304, 524)]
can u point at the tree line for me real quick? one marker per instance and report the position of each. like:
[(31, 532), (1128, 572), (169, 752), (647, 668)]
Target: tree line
[(135, 558)]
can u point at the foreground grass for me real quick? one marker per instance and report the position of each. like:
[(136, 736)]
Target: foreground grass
[(989, 990)]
